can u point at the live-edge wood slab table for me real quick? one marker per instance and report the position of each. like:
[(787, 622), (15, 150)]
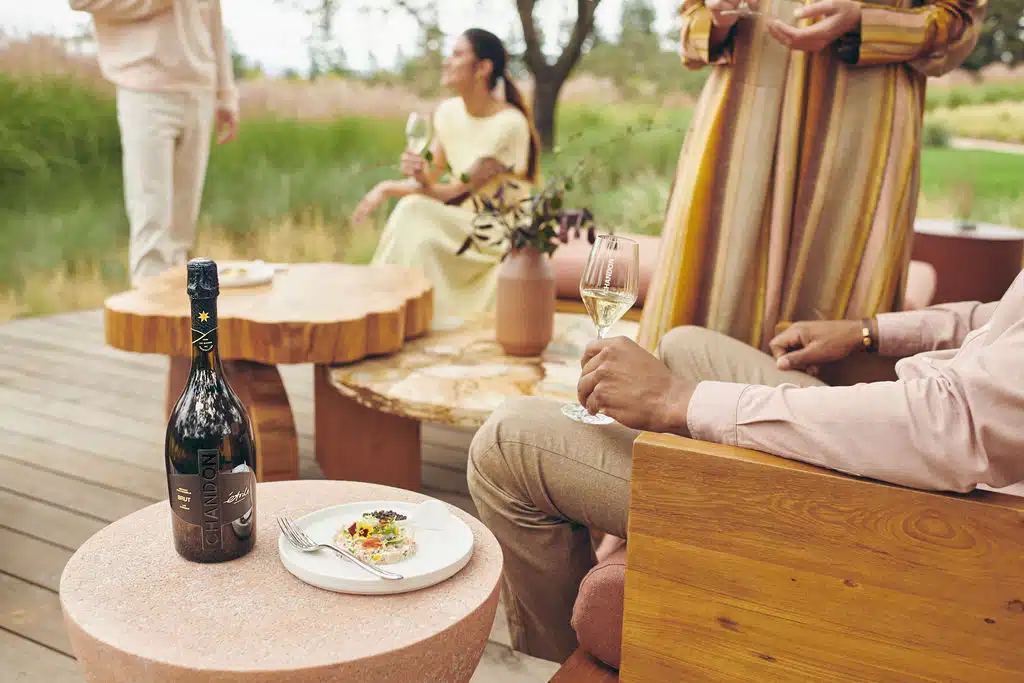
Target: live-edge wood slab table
[(319, 313)]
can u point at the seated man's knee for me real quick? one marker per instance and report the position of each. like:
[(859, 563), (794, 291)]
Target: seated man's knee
[(678, 346), (511, 423)]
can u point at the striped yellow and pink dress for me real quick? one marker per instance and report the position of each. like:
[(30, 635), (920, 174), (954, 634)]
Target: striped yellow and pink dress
[(796, 188)]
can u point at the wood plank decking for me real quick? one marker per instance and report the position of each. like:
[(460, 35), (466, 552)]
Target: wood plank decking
[(81, 445)]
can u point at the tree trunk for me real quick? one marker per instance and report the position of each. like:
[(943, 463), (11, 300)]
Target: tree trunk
[(549, 78), (545, 99)]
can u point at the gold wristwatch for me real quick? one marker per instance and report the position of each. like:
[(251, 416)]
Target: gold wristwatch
[(870, 338)]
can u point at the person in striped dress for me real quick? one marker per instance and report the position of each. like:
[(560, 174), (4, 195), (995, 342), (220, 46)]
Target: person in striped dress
[(796, 188)]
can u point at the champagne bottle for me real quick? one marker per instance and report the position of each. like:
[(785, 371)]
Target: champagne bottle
[(210, 451)]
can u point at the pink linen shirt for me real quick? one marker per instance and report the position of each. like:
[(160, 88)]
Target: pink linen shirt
[(952, 421)]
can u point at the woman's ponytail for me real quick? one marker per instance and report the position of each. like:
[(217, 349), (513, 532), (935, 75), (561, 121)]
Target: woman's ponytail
[(515, 98)]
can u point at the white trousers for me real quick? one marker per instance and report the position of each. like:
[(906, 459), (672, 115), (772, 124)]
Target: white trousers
[(165, 141)]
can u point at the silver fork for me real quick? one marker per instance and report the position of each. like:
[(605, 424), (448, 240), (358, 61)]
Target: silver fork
[(298, 538)]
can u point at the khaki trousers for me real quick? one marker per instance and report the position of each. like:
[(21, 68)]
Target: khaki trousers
[(165, 142), (540, 481)]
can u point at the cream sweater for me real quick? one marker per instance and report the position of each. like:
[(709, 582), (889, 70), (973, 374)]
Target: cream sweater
[(164, 45)]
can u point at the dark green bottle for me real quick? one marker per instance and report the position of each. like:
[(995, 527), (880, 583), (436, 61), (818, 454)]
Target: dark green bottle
[(210, 451)]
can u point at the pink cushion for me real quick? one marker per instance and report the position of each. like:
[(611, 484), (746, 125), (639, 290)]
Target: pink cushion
[(570, 259), (608, 545), (921, 283), (597, 614)]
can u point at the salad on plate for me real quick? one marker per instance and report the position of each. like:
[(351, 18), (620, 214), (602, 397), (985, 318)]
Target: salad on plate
[(378, 537)]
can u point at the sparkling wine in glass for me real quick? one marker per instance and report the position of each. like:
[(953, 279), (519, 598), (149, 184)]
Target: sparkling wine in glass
[(609, 287), (417, 133)]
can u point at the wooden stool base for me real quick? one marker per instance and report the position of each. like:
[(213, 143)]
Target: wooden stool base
[(356, 443), (262, 392)]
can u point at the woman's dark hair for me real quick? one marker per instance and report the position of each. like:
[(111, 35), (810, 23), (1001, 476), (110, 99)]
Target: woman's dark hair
[(487, 46)]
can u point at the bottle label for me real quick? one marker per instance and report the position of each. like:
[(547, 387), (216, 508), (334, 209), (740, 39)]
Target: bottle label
[(204, 324), (212, 498)]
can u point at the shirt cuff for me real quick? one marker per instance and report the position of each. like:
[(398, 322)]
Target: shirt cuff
[(711, 414), (696, 41), (888, 36), (899, 334), (227, 98)]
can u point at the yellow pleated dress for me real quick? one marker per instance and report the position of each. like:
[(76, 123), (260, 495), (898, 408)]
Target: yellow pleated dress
[(796, 188), (424, 233)]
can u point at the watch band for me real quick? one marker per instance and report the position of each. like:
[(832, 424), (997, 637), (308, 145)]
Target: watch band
[(869, 337)]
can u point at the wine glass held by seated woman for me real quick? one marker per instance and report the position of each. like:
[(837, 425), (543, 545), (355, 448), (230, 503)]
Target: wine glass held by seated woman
[(796, 194), (481, 138)]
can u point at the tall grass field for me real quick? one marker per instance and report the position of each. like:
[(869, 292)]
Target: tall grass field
[(285, 188)]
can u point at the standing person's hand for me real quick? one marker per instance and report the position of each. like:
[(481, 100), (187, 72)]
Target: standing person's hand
[(836, 17), (724, 14), (809, 344), (227, 124)]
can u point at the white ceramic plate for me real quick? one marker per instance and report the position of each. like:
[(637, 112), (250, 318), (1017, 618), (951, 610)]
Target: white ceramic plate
[(244, 273), (442, 550)]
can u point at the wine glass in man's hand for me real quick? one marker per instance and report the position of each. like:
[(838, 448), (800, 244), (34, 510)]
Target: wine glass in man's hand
[(609, 287)]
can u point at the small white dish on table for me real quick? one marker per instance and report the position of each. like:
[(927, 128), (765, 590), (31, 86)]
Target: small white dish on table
[(244, 273), (444, 545)]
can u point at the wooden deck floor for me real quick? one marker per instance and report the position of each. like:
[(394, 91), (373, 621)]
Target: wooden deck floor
[(81, 445)]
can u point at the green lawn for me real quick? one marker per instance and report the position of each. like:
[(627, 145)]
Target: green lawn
[(995, 176), (981, 93)]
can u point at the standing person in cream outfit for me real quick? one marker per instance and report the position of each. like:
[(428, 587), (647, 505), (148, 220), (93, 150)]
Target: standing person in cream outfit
[(477, 135), (170, 63)]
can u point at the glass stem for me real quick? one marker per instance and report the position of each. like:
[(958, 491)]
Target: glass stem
[(600, 332)]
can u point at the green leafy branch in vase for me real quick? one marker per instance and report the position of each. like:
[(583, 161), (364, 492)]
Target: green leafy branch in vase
[(538, 220)]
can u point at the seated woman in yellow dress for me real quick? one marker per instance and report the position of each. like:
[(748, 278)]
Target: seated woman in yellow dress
[(478, 136)]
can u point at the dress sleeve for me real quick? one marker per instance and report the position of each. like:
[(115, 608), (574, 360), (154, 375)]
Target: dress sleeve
[(695, 37), (934, 38), (513, 145)]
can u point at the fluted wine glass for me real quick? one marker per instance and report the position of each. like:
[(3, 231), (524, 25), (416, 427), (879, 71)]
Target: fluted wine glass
[(417, 133), (609, 287)]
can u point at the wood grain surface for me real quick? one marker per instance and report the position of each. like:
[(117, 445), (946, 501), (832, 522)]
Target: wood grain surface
[(747, 567), (581, 667), (310, 313)]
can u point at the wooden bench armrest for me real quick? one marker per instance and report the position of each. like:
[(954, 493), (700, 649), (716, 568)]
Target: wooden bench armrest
[(745, 566)]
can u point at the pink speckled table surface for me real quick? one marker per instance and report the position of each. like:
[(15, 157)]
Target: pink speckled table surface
[(138, 612)]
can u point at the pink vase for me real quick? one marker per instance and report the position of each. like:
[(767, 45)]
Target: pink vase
[(525, 305)]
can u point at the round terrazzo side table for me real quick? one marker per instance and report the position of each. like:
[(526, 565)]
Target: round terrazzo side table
[(138, 613)]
